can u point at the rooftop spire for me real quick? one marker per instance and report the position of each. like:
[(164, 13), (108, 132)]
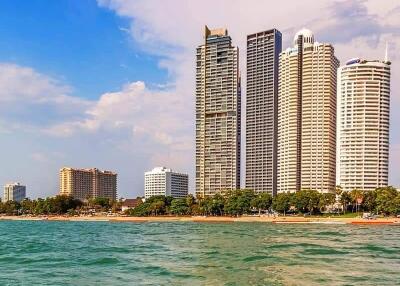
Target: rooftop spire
[(386, 53)]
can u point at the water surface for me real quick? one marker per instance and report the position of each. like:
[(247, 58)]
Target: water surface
[(186, 253)]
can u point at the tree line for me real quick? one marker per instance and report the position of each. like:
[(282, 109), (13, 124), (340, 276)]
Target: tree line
[(58, 205), (384, 201)]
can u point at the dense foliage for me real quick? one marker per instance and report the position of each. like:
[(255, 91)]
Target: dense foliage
[(235, 203), (57, 205), (381, 201), (385, 201)]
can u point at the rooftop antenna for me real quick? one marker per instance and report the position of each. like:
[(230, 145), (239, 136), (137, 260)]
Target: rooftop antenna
[(386, 53)]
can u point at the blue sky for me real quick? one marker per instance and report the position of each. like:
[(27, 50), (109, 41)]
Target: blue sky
[(77, 42), (110, 83)]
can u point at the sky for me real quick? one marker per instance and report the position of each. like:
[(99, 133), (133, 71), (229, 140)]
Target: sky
[(111, 83)]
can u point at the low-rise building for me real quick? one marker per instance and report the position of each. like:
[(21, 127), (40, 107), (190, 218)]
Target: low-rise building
[(165, 182), (14, 192), (86, 184), (131, 204)]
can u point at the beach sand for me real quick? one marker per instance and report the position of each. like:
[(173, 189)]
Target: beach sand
[(211, 219)]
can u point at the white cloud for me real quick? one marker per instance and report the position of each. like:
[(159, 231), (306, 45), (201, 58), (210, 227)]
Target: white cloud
[(137, 127), (29, 99), (173, 30), (25, 85), (146, 113), (135, 122)]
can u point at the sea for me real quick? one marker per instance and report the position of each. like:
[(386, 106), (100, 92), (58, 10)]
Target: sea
[(192, 253)]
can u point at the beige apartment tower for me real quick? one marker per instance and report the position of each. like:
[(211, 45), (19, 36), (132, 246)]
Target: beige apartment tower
[(218, 114), (85, 184), (364, 105), (307, 116)]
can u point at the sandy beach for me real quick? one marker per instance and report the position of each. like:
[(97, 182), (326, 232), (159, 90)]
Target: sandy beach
[(213, 219)]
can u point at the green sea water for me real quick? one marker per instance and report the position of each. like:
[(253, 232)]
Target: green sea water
[(104, 253)]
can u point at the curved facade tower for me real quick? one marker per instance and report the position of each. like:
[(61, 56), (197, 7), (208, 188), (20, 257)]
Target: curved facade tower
[(307, 116), (364, 105)]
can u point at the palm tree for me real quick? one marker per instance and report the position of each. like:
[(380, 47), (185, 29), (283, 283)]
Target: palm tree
[(356, 197)]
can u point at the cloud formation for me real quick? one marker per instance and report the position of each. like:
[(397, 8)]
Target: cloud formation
[(356, 28), (136, 128), (142, 124)]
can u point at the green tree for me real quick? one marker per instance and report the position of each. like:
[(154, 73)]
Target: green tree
[(306, 201), (103, 203), (356, 197), (261, 201), (396, 205), (9, 208), (369, 200), (142, 209), (238, 202), (282, 202), (27, 206), (179, 207), (345, 200), (338, 190), (190, 201), (326, 200), (386, 199), (158, 207), (216, 204)]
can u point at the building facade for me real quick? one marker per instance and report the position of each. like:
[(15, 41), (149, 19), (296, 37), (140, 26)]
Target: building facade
[(164, 182), (218, 114), (14, 192), (307, 116), (364, 105), (86, 184), (263, 51)]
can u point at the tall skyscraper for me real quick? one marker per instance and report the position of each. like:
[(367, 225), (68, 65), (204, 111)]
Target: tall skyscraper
[(164, 182), (364, 104), (218, 114), (307, 116), (263, 51), (85, 184)]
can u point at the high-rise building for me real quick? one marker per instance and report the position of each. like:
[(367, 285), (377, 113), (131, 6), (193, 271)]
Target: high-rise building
[(14, 192), (307, 116), (85, 184), (263, 51), (218, 114), (364, 105), (164, 182)]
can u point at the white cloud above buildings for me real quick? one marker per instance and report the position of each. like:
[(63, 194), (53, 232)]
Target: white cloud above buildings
[(356, 28), (137, 127)]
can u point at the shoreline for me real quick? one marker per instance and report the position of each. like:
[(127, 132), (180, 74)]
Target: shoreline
[(211, 219)]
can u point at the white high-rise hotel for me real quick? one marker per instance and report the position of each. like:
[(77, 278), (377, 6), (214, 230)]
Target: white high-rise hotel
[(164, 182), (364, 103)]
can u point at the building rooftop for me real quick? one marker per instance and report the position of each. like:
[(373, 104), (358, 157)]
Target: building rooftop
[(308, 36), (162, 170), (215, 32), (131, 203), (363, 61), (14, 184), (89, 170)]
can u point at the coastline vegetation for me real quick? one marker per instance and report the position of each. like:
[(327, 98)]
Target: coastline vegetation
[(382, 201)]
